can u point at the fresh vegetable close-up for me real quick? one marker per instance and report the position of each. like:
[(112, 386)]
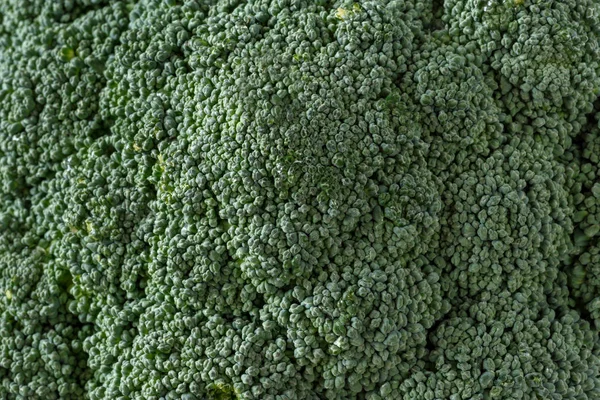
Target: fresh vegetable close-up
[(300, 199)]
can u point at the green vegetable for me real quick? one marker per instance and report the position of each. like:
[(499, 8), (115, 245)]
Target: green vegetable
[(294, 199)]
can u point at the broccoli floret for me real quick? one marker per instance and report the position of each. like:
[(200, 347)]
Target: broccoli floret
[(51, 77), (301, 175), (296, 199), (583, 262), (511, 353)]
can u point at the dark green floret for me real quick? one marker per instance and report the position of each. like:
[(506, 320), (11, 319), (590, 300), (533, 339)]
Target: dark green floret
[(299, 199)]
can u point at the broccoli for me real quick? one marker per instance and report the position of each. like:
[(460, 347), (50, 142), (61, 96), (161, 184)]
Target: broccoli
[(293, 199)]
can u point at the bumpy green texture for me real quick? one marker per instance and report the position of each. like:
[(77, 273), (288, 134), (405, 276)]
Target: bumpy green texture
[(300, 199)]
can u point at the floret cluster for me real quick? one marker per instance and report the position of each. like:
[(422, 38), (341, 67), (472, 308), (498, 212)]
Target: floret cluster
[(299, 199)]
